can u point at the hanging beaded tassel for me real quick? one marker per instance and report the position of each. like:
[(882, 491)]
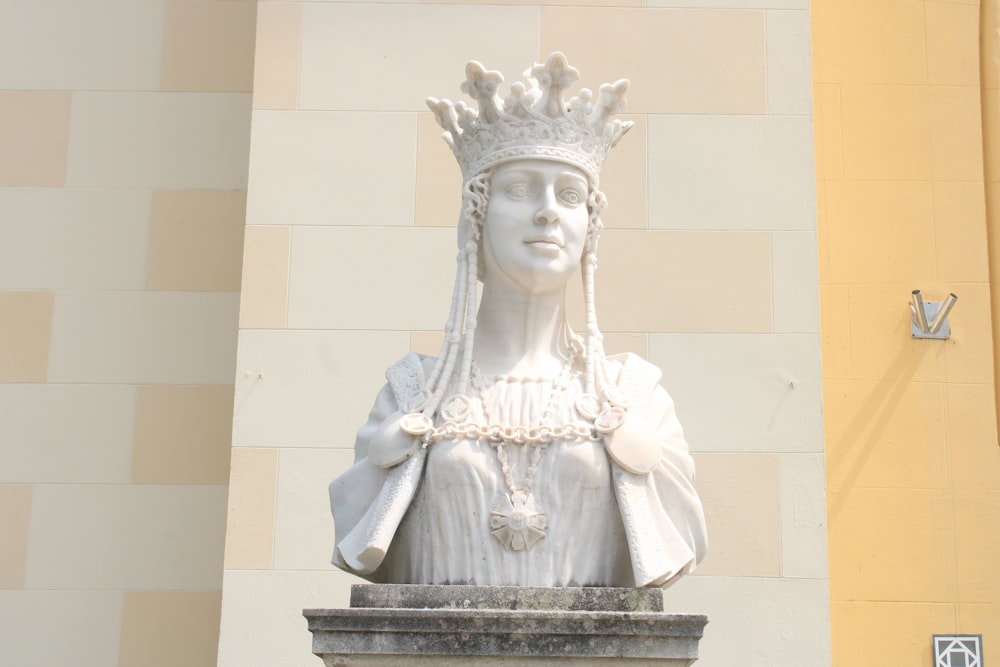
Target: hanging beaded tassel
[(589, 404), (460, 330)]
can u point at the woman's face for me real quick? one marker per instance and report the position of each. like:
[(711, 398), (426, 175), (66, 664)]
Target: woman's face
[(536, 224)]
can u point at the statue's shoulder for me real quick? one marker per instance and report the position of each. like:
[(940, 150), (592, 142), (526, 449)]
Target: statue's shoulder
[(407, 379), (630, 366), (635, 376)]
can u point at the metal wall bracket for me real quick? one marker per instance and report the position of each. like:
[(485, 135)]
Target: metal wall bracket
[(930, 319)]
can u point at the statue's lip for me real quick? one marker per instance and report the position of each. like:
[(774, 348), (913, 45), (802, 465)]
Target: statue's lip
[(544, 241)]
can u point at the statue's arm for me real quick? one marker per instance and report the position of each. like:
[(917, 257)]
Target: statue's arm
[(385, 405), (663, 516), (369, 501)]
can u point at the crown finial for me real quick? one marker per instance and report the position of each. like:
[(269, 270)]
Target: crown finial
[(532, 122)]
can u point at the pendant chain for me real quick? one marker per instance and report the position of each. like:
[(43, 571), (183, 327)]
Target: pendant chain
[(537, 437)]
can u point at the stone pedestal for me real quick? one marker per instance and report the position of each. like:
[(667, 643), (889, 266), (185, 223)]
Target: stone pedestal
[(493, 625)]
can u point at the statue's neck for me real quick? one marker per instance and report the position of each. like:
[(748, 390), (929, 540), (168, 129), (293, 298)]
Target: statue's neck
[(521, 334)]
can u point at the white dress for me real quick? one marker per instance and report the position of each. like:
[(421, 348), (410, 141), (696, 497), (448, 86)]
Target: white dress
[(427, 520)]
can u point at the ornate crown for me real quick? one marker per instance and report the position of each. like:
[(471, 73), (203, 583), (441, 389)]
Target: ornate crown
[(532, 122)]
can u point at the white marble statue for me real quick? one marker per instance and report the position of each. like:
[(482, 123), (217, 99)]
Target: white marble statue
[(521, 454)]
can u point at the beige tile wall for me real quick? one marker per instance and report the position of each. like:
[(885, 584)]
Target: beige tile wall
[(349, 262), (124, 136), (185, 622), (94, 631), (89, 442), (73, 238)]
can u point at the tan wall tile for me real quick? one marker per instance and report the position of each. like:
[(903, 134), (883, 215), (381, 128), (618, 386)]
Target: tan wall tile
[(976, 512), (883, 435), (822, 240), (333, 285), (208, 46), (303, 532), (803, 510), (768, 388), (34, 135), (276, 61), (68, 45), (159, 140), (842, 536), (901, 533), (252, 491), (740, 495), (960, 231), (66, 433), (310, 388), (264, 295), (15, 521), (624, 179), (852, 44), (971, 427), (854, 643), (886, 132), (991, 157), (262, 613), (71, 238), (993, 195), (869, 224), (828, 134), (956, 133), (620, 343), (788, 62), (187, 623), (426, 342), (391, 65), (971, 339), (836, 330), (25, 333), (683, 281), (952, 43), (796, 277), (881, 342), (438, 200), (196, 240), (731, 4), (554, 3), (144, 337), (183, 435), (27, 615), (792, 631), (332, 168), (679, 61), (731, 172), (127, 537)]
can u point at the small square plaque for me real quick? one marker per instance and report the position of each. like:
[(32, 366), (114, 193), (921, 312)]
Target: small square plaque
[(958, 651)]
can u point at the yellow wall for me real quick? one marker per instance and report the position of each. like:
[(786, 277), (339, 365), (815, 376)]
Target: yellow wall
[(913, 467)]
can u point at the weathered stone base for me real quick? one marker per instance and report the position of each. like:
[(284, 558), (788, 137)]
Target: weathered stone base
[(493, 625)]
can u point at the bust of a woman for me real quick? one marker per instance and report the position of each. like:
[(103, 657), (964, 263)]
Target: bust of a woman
[(522, 454)]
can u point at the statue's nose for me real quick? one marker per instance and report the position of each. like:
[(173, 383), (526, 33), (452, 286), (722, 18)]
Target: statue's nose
[(547, 213)]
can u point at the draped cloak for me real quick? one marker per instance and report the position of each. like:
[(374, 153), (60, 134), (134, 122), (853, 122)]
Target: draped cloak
[(427, 519)]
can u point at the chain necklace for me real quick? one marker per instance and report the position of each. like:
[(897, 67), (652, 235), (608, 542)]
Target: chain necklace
[(516, 519)]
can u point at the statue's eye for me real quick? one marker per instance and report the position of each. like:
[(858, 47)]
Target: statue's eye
[(571, 197), (518, 191)]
